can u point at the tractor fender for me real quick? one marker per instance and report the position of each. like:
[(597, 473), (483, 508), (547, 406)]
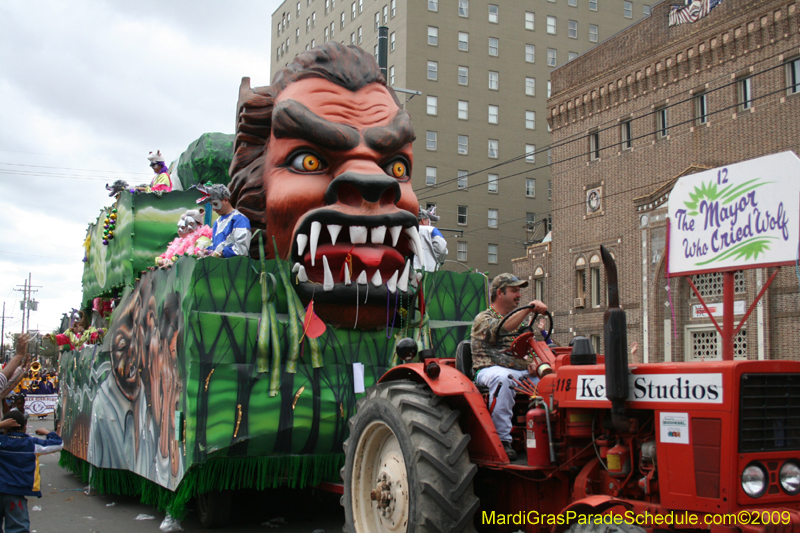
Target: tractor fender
[(450, 381), (590, 506)]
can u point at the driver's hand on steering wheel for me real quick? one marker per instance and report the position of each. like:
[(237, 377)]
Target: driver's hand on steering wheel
[(532, 369), (538, 307)]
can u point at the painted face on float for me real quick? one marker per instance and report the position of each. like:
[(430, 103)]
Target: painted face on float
[(337, 182)]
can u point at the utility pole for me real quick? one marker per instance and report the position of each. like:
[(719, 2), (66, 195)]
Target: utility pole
[(27, 302), (3, 334)]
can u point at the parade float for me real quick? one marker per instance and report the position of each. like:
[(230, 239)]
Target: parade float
[(219, 374)]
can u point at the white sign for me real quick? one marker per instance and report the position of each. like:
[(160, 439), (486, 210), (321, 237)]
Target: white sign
[(698, 311), (40, 404), (689, 388), (742, 214), (675, 427)]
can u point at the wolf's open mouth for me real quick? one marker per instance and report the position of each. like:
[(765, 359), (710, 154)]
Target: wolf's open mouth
[(335, 249)]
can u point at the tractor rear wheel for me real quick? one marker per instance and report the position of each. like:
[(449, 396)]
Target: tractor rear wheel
[(407, 469)]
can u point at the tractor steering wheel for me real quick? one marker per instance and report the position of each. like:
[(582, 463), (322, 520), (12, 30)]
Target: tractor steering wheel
[(529, 327)]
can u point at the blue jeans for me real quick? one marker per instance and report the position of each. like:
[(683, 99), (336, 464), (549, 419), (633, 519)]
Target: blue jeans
[(14, 514), (504, 408)]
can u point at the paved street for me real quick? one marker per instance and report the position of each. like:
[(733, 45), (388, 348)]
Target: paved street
[(65, 508)]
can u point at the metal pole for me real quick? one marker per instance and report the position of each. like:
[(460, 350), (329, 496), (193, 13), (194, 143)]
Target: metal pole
[(24, 304), (29, 301), (383, 51), (3, 336), (727, 316)]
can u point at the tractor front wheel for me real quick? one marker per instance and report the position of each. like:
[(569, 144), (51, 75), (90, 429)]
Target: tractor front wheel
[(407, 469), (604, 528)]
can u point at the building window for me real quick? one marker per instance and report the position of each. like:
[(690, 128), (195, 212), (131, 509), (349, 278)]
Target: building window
[(494, 111), (494, 13), (551, 57), (462, 215), (431, 139), (298, 9), (385, 14), (494, 148), (463, 41), (530, 153), (538, 289), (494, 80), (297, 35), (530, 220), (325, 35), (625, 134), (530, 189), (432, 106), (494, 46), (627, 8), (313, 43), (433, 70), (327, 6), (492, 218), (662, 127), (549, 88), (744, 88), (551, 25), (393, 5), (377, 20), (593, 32), (360, 6), (463, 177), (360, 35), (461, 251), (549, 189), (433, 5), (530, 86), (463, 75), (572, 3), (549, 156), (580, 287), (433, 35), (314, 19), (530, 21), (530, 53), (594, 145), (463, 110), (353, 11), (392, 40), (463, 145), (595, 275), (463, 8), (701, 108), (492, 254), (593, 5), (430, 175), (352, 38), (646, 10), (391, 75), (572, 29), (571, 56), (793, 76), (341, 21), (308, 24), (493, 184)]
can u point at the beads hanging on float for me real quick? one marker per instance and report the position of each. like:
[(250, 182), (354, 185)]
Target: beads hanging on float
[(109, 224)]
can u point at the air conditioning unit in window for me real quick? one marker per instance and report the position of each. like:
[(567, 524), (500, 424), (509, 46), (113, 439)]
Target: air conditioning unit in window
[(580, 302)]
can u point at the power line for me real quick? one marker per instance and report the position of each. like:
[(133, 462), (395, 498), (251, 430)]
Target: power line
[(68, 168)]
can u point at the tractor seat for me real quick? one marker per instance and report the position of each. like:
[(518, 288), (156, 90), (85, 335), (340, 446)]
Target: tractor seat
[(464, 363)]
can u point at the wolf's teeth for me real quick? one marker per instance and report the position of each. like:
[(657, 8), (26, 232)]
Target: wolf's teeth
[(347, 276), (302, 240), (296, 267), (394, 231), (301, 274), (362, 278), (316, 227), (377, 235), (402, 283), (392, 283), (376, 279), (334, 230), (327, 280), (358, 234), (413, 234)]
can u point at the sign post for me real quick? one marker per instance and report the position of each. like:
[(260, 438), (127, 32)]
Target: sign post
[(735, 217)]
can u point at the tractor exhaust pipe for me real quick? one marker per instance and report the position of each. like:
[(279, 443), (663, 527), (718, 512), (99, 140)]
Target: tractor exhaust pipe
[(616, 346)]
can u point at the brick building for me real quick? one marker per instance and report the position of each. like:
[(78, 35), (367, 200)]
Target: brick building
[(629, 117)]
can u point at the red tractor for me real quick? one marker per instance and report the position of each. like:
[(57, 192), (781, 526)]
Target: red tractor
[(601, 446)]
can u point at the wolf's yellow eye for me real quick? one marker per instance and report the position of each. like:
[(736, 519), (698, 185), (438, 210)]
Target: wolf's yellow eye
[(306, 162), (397, 169)]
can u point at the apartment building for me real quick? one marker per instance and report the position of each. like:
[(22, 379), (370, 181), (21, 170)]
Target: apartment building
[(630, 117), (481, 70)]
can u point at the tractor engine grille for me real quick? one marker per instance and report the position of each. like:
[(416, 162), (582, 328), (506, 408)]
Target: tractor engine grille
[(769, 413)]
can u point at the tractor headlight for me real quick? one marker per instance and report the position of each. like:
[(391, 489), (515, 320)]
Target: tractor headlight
[(754, 480), (790, 477)]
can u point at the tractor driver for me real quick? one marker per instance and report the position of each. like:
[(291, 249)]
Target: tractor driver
[(490, 364)]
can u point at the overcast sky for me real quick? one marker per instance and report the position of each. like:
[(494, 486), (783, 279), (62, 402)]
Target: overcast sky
[(87, 89)]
